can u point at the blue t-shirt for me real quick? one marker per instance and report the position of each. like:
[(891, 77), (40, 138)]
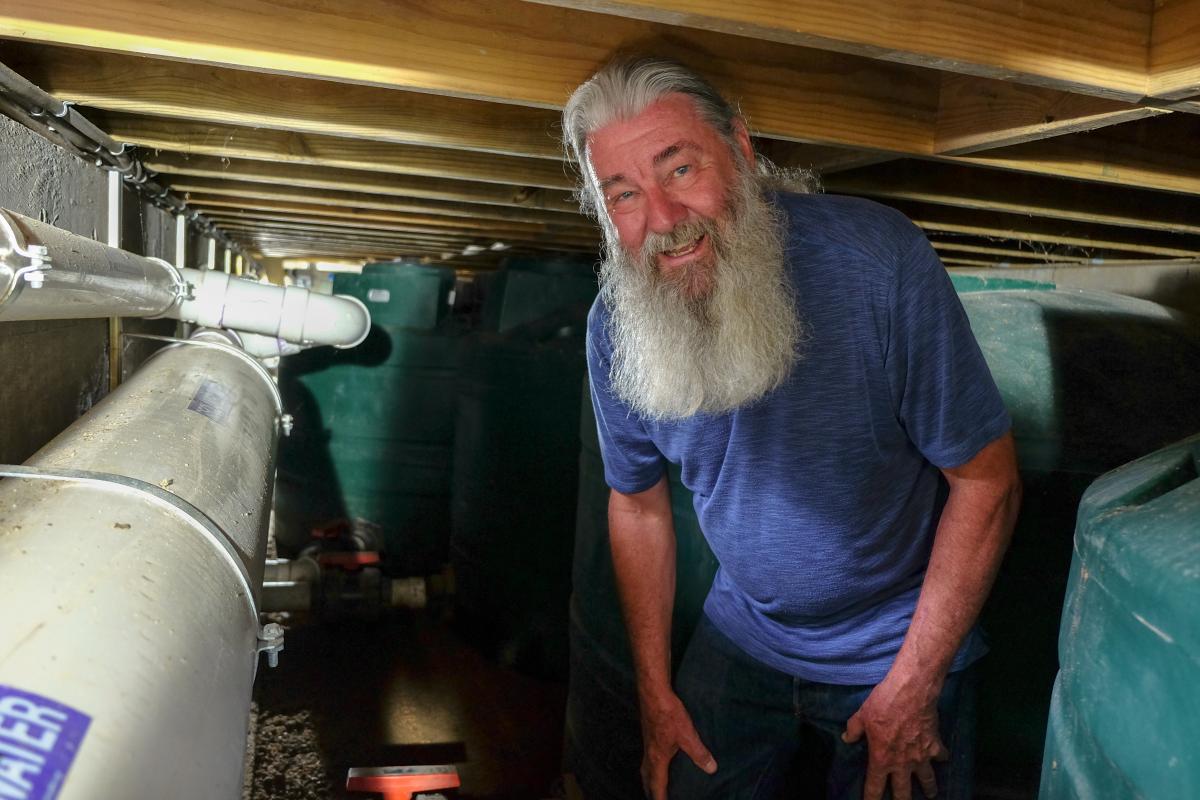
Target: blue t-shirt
[(821, 500)]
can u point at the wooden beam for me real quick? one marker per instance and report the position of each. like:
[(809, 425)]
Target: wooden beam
[(225, 217), (1157, 153), (976, 262), (235, 97), (206, 171), (1175, 50), (368, 242), (1050, 43), (1025, 228), (310, 226), (1007, 253), (305, 202), (300, 230), (423, 224), (376, 239), (259, 238), (502, 50), (979, 114), (995, 190), (289, 147)]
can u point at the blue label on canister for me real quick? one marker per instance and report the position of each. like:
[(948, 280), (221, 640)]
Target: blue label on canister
[(39, 739)]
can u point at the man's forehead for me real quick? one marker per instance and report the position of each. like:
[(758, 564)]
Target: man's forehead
[(664, 128), (673, 110)]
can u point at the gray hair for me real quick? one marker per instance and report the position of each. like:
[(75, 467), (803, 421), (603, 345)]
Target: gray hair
[(621, 90)]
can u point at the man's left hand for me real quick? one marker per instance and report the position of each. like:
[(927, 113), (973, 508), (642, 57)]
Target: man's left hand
[(900, 721)]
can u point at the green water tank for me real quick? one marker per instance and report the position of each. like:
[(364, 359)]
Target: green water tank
[(603, 731), (1092, 380), (528, 288), (1125, 713), (512, 497), (374, 425), (516, 462)]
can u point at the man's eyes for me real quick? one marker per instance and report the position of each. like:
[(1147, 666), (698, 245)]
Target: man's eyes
[(621, 197)]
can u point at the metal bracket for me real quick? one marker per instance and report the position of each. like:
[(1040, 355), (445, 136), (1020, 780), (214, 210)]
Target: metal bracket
[(183, 289), (33, 272), (173, 503), (270, 641)]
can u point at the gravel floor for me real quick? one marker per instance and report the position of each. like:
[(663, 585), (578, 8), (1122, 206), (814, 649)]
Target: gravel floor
[(402, 690)]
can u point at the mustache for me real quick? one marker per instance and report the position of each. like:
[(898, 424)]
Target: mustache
[(682, 234)]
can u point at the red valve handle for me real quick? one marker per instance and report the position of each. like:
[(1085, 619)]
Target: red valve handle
[(401, 783)]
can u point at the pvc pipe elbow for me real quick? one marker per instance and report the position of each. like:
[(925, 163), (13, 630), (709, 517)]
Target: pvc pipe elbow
[(291, 313), (340, 320)]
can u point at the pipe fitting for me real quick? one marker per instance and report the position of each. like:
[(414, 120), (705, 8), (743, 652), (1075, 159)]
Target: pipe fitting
[(291, 313)]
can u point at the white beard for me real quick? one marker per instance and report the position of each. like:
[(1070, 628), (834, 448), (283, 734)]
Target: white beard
[(718, 335)]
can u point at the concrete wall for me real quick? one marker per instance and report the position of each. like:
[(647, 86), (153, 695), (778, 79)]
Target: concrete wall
[(52, 372)]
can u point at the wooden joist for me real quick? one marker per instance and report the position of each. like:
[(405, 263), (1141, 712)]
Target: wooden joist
[(289, 147), (379, 208), (505, 51), (454, 244), (1174, 59), (203, 173), (197, 92), (978, 114), (1050, 43), (996, 190), (1160, 153), (947, 249), (1096, 239), (426, 224)]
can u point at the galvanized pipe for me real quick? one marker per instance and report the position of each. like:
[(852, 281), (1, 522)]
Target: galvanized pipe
[(131, 556), (49, 273)]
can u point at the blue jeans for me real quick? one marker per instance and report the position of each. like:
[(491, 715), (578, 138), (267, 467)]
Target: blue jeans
[(752, 718)]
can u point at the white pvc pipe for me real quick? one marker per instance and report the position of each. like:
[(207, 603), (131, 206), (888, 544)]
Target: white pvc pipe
[(261, 346), (49, 273), (290, 313)]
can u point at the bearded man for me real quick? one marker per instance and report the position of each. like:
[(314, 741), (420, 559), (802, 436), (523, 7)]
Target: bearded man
[(805, 360)]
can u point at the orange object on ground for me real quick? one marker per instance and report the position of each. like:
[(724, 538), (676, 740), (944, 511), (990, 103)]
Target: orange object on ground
[(401, 783), (349, 559)]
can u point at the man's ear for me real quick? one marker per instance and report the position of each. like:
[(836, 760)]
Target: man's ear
[(741, 136)]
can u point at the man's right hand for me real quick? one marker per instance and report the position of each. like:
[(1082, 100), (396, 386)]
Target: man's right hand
[(666, 729)]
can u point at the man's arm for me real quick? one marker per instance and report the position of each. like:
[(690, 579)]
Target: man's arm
[(642, 537), (899, 717)]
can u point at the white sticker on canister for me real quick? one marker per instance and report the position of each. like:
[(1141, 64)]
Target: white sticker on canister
[(379, 295)]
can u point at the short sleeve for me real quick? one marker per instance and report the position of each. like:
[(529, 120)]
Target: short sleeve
[(632, 462), (942, 390)]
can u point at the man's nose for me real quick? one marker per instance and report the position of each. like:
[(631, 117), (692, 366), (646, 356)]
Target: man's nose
[(663, 212)]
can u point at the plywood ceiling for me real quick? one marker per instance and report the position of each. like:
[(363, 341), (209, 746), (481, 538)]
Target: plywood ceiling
[(1013, 131)]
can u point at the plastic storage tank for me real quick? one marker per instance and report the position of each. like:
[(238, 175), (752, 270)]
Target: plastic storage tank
[(1125, 714), (603, 731), (1092, 380), (374, 425), (528, 288), (515, 463)]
